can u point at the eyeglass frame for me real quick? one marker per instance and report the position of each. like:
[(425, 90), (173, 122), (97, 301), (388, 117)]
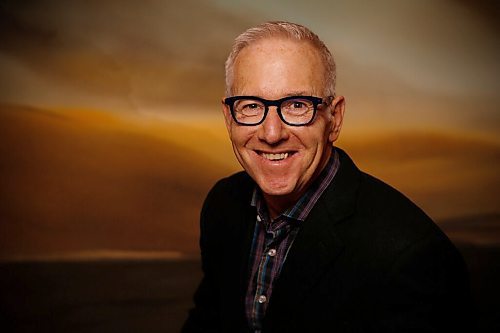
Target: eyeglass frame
[(229, 101)]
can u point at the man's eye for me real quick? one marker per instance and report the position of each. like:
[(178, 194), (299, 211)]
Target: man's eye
[(298, 105), (252, 106)]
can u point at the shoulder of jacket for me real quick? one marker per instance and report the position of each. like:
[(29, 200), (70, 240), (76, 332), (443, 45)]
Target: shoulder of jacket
[(237, 187)]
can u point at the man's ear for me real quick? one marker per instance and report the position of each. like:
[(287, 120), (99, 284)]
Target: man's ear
[(337, 108), (226, 111)]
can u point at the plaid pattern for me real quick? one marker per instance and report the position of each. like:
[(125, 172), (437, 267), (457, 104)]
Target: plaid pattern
[(272, 241)]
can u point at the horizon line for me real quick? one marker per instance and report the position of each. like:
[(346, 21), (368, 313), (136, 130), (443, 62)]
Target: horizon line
[(98, 255)]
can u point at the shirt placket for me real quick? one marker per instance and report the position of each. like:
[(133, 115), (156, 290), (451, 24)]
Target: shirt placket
[(267, 268)]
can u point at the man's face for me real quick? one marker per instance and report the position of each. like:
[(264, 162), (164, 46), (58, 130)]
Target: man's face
[(274, 68)]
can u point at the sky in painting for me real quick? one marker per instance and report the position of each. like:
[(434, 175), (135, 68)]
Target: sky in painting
[(400, 63)]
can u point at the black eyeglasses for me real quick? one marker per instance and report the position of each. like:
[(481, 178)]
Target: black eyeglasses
[(293, 110)]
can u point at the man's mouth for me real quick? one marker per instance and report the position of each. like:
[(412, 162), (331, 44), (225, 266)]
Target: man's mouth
[(275, 157)]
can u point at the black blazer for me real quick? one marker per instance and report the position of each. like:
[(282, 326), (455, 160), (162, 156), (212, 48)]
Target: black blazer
[(365, 260)]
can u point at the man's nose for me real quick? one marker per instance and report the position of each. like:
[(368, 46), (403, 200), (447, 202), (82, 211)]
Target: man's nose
[(272, 130)]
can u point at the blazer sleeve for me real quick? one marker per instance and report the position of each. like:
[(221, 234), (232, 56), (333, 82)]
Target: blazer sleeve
[(205, 316)]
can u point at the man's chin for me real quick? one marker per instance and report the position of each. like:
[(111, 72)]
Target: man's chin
[(276, 189)]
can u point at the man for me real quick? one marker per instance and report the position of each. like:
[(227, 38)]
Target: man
[(303, 241)]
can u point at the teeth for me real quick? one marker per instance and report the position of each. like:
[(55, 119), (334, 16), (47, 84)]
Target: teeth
[(275, 157)]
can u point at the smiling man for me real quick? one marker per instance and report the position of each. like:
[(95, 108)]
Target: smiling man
[(302, 240)]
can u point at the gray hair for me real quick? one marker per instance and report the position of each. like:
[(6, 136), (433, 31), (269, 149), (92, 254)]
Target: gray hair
[(281, 29)]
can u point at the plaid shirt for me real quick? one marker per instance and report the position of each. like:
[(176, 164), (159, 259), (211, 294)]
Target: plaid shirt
[(272, 241)]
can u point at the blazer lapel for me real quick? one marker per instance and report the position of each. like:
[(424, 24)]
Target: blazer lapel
[(250, 216)]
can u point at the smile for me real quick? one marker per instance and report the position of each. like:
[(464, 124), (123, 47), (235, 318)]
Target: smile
[(275, 156)]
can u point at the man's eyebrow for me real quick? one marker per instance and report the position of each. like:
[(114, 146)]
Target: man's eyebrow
[(289, 94), (297, 93)]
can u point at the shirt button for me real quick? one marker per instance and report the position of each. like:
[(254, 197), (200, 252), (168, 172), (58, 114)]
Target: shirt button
[(262, 299), (271, 253)]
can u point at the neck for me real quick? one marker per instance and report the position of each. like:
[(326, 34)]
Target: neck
[(276, 205)]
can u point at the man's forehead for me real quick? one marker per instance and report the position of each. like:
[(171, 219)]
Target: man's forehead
[(279, 51), (278, 66)]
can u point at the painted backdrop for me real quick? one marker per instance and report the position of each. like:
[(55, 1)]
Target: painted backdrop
[(111, 131)]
